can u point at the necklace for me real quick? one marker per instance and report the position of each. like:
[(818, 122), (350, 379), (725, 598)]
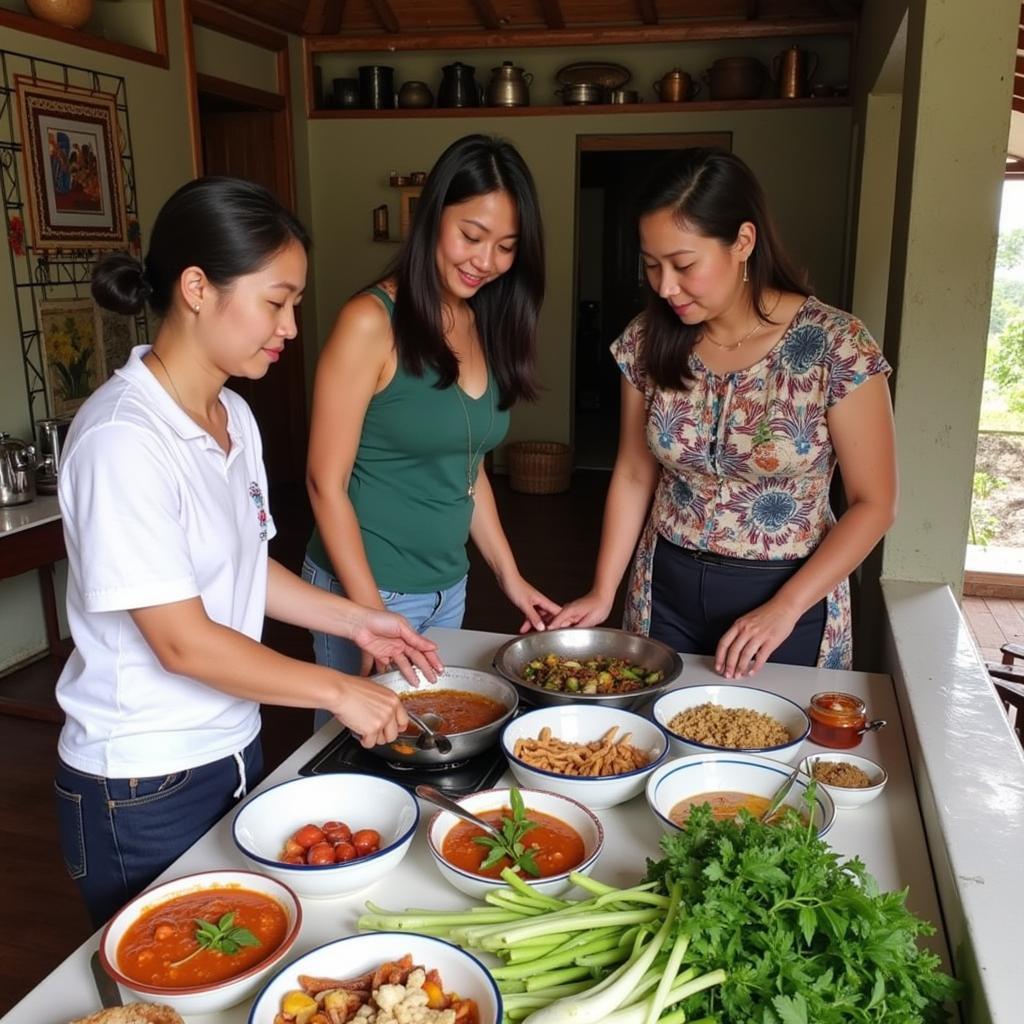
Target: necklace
[(170, 380), (737, 344), (473, 457)]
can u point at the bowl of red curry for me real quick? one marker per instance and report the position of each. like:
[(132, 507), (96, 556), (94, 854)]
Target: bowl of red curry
[(473, 706), (562, 835), (201, 943)]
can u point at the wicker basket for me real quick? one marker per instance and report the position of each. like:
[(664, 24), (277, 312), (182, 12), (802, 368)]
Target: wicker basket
[(539, 467)]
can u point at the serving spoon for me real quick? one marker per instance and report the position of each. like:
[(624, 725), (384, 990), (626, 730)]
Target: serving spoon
[(780, 795), (429, 738), (435, 796)]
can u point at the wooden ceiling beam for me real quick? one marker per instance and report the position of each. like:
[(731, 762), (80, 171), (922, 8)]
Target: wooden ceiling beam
[(386, 16), (231, 24), (488, 14), (665, 33), (753, 9), (323, 17), (648, 11), (552, 12)]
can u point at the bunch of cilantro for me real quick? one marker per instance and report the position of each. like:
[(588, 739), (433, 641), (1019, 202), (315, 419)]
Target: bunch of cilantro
[(805, 939)]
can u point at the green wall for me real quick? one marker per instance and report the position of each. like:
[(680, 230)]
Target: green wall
[(800, 155)]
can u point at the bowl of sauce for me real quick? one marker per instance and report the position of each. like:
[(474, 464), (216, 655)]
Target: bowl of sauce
[(566, 837), (201, 943)]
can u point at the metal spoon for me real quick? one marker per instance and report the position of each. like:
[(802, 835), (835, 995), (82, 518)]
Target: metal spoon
[(780, 795), (429, 738), (873, 726), (435, 796)]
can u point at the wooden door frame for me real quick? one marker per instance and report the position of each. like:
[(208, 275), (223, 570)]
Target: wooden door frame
[(208, 15)]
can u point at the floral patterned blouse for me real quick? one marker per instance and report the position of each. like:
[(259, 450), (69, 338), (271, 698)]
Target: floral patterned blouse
[(746, 457)]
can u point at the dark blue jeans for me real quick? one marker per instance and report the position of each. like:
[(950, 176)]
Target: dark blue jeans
[(117, 835), (694, 602)]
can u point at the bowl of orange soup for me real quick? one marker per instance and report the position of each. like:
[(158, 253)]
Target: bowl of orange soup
[(567, 838), (201, 943)]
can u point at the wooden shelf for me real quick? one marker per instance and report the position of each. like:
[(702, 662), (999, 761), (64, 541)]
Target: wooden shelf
[(693, 107), (78, 37)]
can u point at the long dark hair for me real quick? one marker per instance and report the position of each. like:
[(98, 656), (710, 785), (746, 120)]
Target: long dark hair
[(507, 309), (227, 226), (713, 193)]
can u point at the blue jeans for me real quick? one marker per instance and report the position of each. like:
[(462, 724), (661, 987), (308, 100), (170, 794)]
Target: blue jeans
[(444, 608), (117, 835)]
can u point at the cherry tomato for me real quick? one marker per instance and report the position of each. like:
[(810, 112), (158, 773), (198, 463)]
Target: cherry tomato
[(308, 836), (292, 848), (344, 852), (293, 858), (366, 840), (330, 826), (321, 853), (339, 834)]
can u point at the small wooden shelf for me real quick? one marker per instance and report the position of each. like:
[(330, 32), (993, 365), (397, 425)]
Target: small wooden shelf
[(79, 37), (693, 106)]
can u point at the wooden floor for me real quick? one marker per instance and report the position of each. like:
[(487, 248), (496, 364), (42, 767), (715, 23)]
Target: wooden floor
[(41, 919), (994, 621)]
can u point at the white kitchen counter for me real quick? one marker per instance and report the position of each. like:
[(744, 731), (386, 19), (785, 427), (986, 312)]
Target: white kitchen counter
[(15, 518), (887, 834)]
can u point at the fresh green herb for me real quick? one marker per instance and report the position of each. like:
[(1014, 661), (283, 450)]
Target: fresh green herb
[(802, 936), (511, 842), (222, 937)]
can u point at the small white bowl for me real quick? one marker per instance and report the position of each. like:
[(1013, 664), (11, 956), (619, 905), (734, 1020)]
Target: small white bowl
[(348, 958), (266, 820), (729, 695), (219, 995), (583, 724), (572, 812), (689, 777), (846, 797)]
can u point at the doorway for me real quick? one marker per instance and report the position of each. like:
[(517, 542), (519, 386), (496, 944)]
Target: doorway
[(609, 276), (245, 132)]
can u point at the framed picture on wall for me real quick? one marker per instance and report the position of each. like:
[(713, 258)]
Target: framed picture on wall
[(72, 345), (71, 142), (118, 336)]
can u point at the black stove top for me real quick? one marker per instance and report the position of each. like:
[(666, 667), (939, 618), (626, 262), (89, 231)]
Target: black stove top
[(344, 754)]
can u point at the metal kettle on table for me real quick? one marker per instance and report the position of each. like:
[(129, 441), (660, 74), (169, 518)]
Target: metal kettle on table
[(17, 471), (792, 69)]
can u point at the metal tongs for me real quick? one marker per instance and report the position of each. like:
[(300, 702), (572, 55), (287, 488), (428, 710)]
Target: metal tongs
[(780, 794)]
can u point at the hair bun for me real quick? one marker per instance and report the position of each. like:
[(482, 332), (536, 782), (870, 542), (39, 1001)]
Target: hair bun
[(119, 283)]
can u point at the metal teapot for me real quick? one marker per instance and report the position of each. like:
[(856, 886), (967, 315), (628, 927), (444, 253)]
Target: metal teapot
[(17, 471), (509, 86)]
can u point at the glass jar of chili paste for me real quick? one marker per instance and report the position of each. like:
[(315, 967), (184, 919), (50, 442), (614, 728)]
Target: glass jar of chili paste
[(836, 719)]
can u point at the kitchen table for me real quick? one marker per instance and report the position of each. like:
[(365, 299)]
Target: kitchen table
[(886, 834)]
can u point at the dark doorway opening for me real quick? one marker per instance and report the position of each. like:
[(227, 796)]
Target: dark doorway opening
[(610, 281)]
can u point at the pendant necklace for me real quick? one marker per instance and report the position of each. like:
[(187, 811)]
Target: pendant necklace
[(473, 457), (170, 380), (737, 344)]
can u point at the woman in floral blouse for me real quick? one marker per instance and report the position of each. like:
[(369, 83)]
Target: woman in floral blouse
[(741, 393)]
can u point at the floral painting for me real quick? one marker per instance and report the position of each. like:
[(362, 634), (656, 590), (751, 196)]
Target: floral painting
[(72, 352), (118, 334), (71, 144)]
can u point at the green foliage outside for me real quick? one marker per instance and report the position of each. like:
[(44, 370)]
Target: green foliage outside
[(1002, 405)]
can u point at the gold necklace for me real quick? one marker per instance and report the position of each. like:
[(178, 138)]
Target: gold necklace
[(472, 457), (737, 344), (170, 380)]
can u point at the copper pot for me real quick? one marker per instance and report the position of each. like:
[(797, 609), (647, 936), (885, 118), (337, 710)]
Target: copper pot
[(792, 69), (736, 78), (69, 13), (676, 86)]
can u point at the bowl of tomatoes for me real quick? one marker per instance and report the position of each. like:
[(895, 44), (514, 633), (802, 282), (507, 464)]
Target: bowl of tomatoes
[(327, 836)]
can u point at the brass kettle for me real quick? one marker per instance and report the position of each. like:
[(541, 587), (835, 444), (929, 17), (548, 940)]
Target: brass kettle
[(792, 69)]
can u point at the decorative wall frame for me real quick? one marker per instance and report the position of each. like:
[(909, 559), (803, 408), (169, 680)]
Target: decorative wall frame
[(72, 344), (41, 274), (72, 152)]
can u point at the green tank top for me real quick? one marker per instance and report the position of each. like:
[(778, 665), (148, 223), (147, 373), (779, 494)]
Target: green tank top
[(409, 482)]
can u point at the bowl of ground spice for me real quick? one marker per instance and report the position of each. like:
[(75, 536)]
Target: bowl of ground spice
[(850, 780), (725, 716)]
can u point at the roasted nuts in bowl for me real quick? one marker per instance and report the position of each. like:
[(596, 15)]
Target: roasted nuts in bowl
[(852, 781)]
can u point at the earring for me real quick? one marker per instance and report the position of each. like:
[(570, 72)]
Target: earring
[(746, 276), (195, 308)]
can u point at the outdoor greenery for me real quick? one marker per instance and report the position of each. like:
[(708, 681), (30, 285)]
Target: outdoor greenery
[(1002, 405)]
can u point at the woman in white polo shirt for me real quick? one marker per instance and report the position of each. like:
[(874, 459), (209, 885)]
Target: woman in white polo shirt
[(164, 500)]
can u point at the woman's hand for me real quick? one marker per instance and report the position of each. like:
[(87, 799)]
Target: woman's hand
[(374, 713), (531, 602), (589, 610), (749, 642), (389, 640)]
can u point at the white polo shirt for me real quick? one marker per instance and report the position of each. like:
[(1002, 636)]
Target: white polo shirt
[(155, 512)]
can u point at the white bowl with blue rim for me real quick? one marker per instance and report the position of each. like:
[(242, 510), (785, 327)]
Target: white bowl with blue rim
[(571, 812), (732, 695), (578, 723), (686, 779), (268, 818), (351, 957), (847, 797)]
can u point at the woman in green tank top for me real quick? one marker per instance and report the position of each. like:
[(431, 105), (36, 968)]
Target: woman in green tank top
[(413, 389)]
